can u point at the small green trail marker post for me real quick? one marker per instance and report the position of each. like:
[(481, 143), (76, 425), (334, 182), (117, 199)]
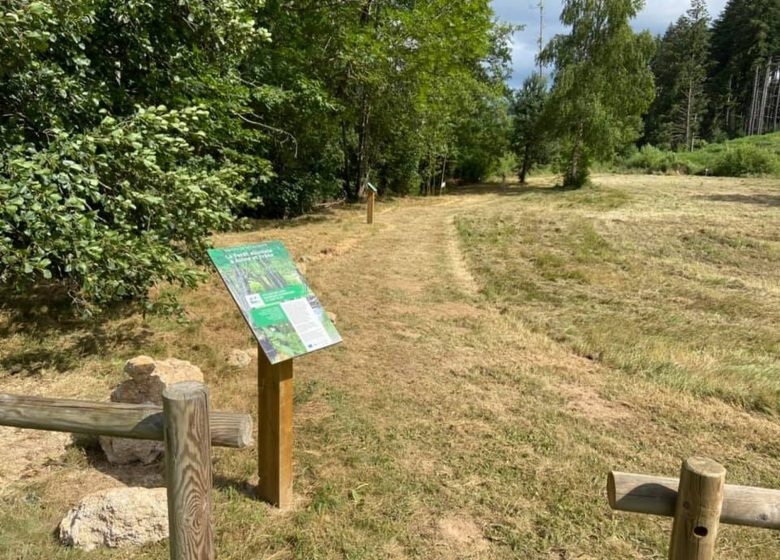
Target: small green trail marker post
[(288, 321)]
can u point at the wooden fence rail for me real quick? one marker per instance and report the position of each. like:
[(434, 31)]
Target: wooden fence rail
[(698, 501), (186, 425), (136, 421)]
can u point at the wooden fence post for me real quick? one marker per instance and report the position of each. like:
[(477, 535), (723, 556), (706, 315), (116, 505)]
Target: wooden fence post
[(275, 430), (188, 470), (698, 509)]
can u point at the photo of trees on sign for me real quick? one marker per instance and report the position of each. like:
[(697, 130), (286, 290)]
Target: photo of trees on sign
[(284, 314)]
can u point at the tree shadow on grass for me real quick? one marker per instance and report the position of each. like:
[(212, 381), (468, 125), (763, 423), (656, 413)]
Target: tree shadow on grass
[(55, 336), (504, 190), (757, 199), (148, 476)]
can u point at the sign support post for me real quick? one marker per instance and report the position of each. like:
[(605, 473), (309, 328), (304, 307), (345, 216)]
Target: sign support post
[(288, 321), (275, 431), (372, 190)]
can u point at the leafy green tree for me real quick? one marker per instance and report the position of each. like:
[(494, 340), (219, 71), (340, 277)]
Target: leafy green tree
[(121, 140), (680, 67), (529, 139), (602, 82), (507, 164), (381, 90)]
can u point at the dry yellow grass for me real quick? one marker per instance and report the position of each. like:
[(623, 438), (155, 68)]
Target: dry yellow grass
[(449, 424)]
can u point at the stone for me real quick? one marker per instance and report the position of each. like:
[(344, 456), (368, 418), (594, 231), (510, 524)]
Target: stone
[(333, 317), (148, 378), (117, 518), (238, 359), (124, 451)]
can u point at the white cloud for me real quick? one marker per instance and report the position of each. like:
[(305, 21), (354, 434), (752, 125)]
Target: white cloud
[(655, 17)]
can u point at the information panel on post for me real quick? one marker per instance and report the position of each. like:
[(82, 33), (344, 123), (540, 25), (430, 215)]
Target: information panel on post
[(284, 314)]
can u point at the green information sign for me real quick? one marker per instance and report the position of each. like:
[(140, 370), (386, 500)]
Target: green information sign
[(284, 314)]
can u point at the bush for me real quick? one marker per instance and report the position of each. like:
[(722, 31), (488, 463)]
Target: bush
[(745, 160), (650, 159), (296, 195), (110, 212)]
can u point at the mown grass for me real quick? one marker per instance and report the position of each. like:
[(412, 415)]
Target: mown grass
[(677, 286), (443, 427)]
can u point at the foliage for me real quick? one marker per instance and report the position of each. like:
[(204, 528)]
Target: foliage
[(746, 160), (507, 164), (132, 130), (744, 37), (529, 136), (753, 155), (113, 172), (680, 67), (383, 91), (650, 159), (602, 83)]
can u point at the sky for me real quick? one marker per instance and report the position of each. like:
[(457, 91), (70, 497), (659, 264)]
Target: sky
[(656, 17)]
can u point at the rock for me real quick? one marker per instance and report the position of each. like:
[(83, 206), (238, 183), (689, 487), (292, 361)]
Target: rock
[(333, 317), (238, 359), (123, 451), (117, 518), (148, 378)]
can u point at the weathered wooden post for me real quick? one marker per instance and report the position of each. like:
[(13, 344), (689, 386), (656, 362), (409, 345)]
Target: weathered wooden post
[(698, 508), (188, 470), (372, 190), (275, 430), (698, 501)]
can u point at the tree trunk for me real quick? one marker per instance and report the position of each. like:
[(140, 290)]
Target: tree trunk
[(688, 111), (753, 105), (777, 100), (764, 97), (526, 163), (574, 174)]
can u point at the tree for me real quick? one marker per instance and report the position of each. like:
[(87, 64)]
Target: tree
[(529, 140), (382, 89), (680, 68), (745, 38), (602, 82), (507, 164), (121, 143)]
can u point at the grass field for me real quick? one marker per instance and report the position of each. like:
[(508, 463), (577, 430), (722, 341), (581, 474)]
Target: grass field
[(504, 349)]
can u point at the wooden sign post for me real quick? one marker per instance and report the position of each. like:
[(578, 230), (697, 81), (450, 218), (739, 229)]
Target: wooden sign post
[(372, 190), (288, 321), (275, 431)]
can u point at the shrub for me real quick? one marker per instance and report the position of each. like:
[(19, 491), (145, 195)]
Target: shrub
[(745, 160), (650, 159), (110, 212)]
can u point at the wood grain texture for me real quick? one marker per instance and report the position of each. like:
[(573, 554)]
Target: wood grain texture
[(113, 419), (370, 207), (275, 431), (655, 495), (697, 511), (188, 471)]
